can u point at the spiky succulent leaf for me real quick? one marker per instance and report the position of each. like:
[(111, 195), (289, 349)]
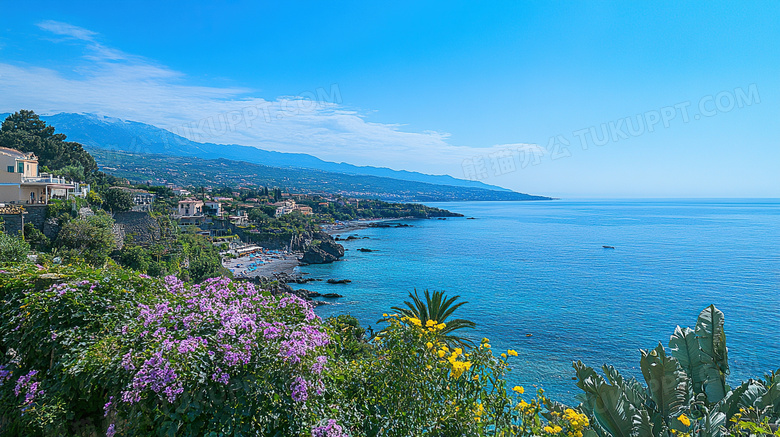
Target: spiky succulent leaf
[(668, 385), (607, 403), (635, 393), (685, 348), (712, 343)]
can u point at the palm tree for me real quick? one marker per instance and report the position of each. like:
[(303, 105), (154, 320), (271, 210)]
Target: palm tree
[(439, 308)]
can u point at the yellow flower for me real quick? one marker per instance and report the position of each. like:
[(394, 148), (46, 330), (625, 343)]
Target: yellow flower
[(429, 345), (503, 355), (485, 340), (548, 429), (512, 352), (442, 353), (523, 405), (518, 389), (486, 345), (557, 429), (384, 314), (684, 419), (428, 367)]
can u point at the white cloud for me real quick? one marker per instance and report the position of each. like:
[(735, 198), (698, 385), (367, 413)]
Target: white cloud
[(112, 83), (65, 29)]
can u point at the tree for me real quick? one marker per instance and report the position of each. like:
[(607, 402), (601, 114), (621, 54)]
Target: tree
[(13, 249), (90, 238), (35, 237), (135, 257), (26, 132), (438, 308), (117, 200)]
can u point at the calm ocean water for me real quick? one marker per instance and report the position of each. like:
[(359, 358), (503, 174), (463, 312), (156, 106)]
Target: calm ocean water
[(539, 268)]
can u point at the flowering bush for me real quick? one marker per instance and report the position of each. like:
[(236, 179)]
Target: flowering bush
[(412, 384), (123, 353)]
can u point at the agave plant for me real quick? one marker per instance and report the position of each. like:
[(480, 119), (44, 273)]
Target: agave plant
[(685, 391), (438, 307)]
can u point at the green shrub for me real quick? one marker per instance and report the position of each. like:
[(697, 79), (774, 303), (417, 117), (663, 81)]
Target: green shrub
[(13, 249), (89, 238)]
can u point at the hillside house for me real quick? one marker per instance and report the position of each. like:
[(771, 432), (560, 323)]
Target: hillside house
[(214, 208), (190, 208), (142, 199), (21, 182), (288, 206)]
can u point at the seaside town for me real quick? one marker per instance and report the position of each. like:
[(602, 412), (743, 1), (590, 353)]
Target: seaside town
[(247, 232), (389, 219)]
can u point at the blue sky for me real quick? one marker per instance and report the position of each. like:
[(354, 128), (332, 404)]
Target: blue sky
[(514, 94)]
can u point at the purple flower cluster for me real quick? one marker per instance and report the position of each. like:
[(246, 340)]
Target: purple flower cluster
[(299, 389), (25, 384), (5, 375), (107, 406), (298, 343), (229, 325), (157, 375), (332, 429)]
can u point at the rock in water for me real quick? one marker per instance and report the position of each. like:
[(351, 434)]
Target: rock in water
[(326, 251)]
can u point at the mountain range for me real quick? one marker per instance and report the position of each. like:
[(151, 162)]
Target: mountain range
[(124, 143), (130, 136)]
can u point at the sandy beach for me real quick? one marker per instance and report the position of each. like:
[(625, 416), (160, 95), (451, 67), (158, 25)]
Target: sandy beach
[(282, 263)]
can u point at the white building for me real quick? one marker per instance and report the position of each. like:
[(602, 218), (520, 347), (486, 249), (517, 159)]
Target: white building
[(21, 183), (216, 207), (190, 208)]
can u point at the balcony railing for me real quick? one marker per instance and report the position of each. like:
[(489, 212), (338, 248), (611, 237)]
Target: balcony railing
[(46, 178)]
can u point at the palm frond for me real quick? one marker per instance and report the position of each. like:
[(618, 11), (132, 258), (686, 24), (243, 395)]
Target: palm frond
[(438, 307)]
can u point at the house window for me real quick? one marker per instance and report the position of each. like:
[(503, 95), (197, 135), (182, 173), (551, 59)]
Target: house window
[(21, 167), (10, 169)]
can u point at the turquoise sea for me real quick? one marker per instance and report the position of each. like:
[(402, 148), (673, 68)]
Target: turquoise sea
[(539, 268)]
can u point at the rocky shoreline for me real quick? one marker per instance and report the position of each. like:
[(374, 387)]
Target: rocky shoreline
[(319, 247)]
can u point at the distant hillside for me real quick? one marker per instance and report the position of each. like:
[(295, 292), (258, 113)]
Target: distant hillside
[(185, 171), (134, 137)]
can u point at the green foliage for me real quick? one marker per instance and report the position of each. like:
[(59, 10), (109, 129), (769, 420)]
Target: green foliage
[(94, 198), (89, 238), (35, 238), (685, 392), (438, 308), (13, 249), (72, 172), (135, 257), (410, 383), (187, 255), (349, 338), (117, 200)]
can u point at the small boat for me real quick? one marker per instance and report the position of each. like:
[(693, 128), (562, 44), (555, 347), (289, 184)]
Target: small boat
[(608, 247)]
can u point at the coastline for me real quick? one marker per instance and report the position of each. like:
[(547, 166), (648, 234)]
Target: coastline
[(356, 225), (284, 264), (288, 263)]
